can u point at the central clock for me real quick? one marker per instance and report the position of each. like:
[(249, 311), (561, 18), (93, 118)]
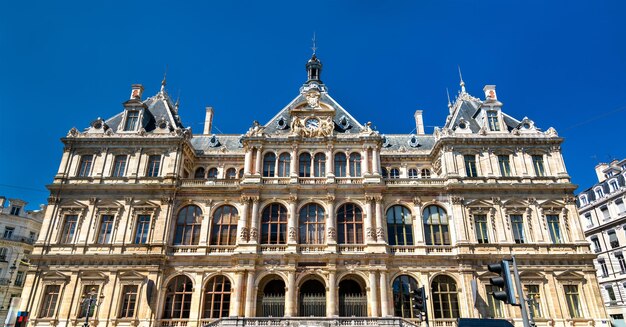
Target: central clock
[(312, 123)]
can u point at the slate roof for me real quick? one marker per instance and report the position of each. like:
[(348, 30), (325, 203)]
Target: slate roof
[(214, 143), (606, 189), (394, 142), (470, 109)]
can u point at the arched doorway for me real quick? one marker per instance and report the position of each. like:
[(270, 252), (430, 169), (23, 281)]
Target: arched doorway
[(352, 297), (271, 297), (312, 299)]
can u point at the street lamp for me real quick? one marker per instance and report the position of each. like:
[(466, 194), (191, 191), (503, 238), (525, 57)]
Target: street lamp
[(90, 300), (6, 290)]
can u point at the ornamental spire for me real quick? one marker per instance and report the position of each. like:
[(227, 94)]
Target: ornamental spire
[(462, 84)]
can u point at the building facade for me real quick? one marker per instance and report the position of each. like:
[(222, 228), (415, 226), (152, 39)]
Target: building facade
[(603, 217), (20, 229), (312, 214)]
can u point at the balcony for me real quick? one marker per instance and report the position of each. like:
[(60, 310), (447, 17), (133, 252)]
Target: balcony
[(5, 281), (414, 181), (211, 182), (17, 238)]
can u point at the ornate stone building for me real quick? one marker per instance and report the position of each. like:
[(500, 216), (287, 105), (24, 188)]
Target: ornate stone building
[(603, 216), (313, 213), (20, 228)]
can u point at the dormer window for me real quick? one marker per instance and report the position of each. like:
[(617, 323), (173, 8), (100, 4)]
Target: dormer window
[(599, 193), (132, 117), (15, 210), (613, 185), (583, 200), (492, 120)]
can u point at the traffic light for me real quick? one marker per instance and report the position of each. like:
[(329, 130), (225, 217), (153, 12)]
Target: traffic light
[(504, 281), (419, 299)]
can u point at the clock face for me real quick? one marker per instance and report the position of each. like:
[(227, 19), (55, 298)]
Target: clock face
[(312, 123)]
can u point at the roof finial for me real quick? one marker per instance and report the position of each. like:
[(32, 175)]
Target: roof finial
[(314, 47), (164, 81), (461, 83), (448, 93)]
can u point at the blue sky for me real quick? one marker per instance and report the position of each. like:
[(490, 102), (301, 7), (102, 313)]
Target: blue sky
[(561, 63)]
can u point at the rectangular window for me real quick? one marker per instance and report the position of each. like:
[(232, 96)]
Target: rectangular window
[(106, 229), (69, 227), (599, 193), (470, 166), (621, 208), (15, 211), (605, 213), (8, 232), (495, 306), (129, 301), (119, 166), (132, 117), (596, 244), (603, 268), (154, 165), (589, 221), (573, 300), (613, 185), (19, 278), (90, 293), (517, 222), (49, 303), (143, 227), (492, 118), (613, 239), (84, 169), (480, 222), (610, 293), (534, 305), (505, 165), (555, 229), (538, 164), (622, 263)]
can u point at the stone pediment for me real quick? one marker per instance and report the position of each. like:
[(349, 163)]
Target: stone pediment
[(480, 203), (131, 276), (570, 275), (52, 276)]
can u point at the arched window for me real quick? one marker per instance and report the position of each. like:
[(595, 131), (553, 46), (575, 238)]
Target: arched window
[(284, 161), (224, 226), (436, 226), (425, 173), (350, 224), (188, 226), (274, 224), (305, 165), (444, 294), (312, 224), (212, 173), (178, 298), (231, 173), (340, 164), (413, 173), (355, 164), (269, 163), (399, 225), (402, 287), (241, 173), (199, 174), (216, 298), (319, 165), (394, 173), (385, 173)]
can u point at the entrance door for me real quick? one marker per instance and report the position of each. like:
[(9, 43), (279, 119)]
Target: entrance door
[(352, 299), (312, 299), (272, 301)]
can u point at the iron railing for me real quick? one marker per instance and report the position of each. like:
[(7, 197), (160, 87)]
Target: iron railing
[(353, 305), (313, 305), (272, 305)]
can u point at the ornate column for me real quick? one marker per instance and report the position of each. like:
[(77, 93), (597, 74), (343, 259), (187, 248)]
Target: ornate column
[(195, 312), (418, 222), (235, 308), (292, 223), (290, 294), (370, 234), (331, 296), (247, 161), (204, 224), (366, 163), (254, 221), (331, 228), (259, 160), (329, 161), (384, 294), (375, 162), (293, 170), (243, 232), (380, 221), (250, 296), (372, 295)]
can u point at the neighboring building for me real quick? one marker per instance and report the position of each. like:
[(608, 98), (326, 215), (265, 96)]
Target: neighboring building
[(603, 215), (312, 214), (19, 230)]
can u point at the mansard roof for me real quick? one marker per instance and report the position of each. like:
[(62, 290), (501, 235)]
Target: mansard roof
[(472, 110)]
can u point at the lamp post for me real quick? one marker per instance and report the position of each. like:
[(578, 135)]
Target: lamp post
[(6, 290), (90, 300)]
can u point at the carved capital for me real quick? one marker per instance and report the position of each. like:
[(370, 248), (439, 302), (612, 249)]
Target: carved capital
[(457, 200), (332, 233)]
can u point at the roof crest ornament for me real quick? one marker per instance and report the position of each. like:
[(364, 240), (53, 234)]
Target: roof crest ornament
[(462, 84), (164, 81), (314, 47)]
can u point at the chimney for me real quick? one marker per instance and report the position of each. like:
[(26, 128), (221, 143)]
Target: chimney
[(136, 91), (208, 120), (419, 123), (490, 93), (599, 171)]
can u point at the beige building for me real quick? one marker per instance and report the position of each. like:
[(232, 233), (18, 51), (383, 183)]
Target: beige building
[(19, 229), (313, 214), (603, 216)]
